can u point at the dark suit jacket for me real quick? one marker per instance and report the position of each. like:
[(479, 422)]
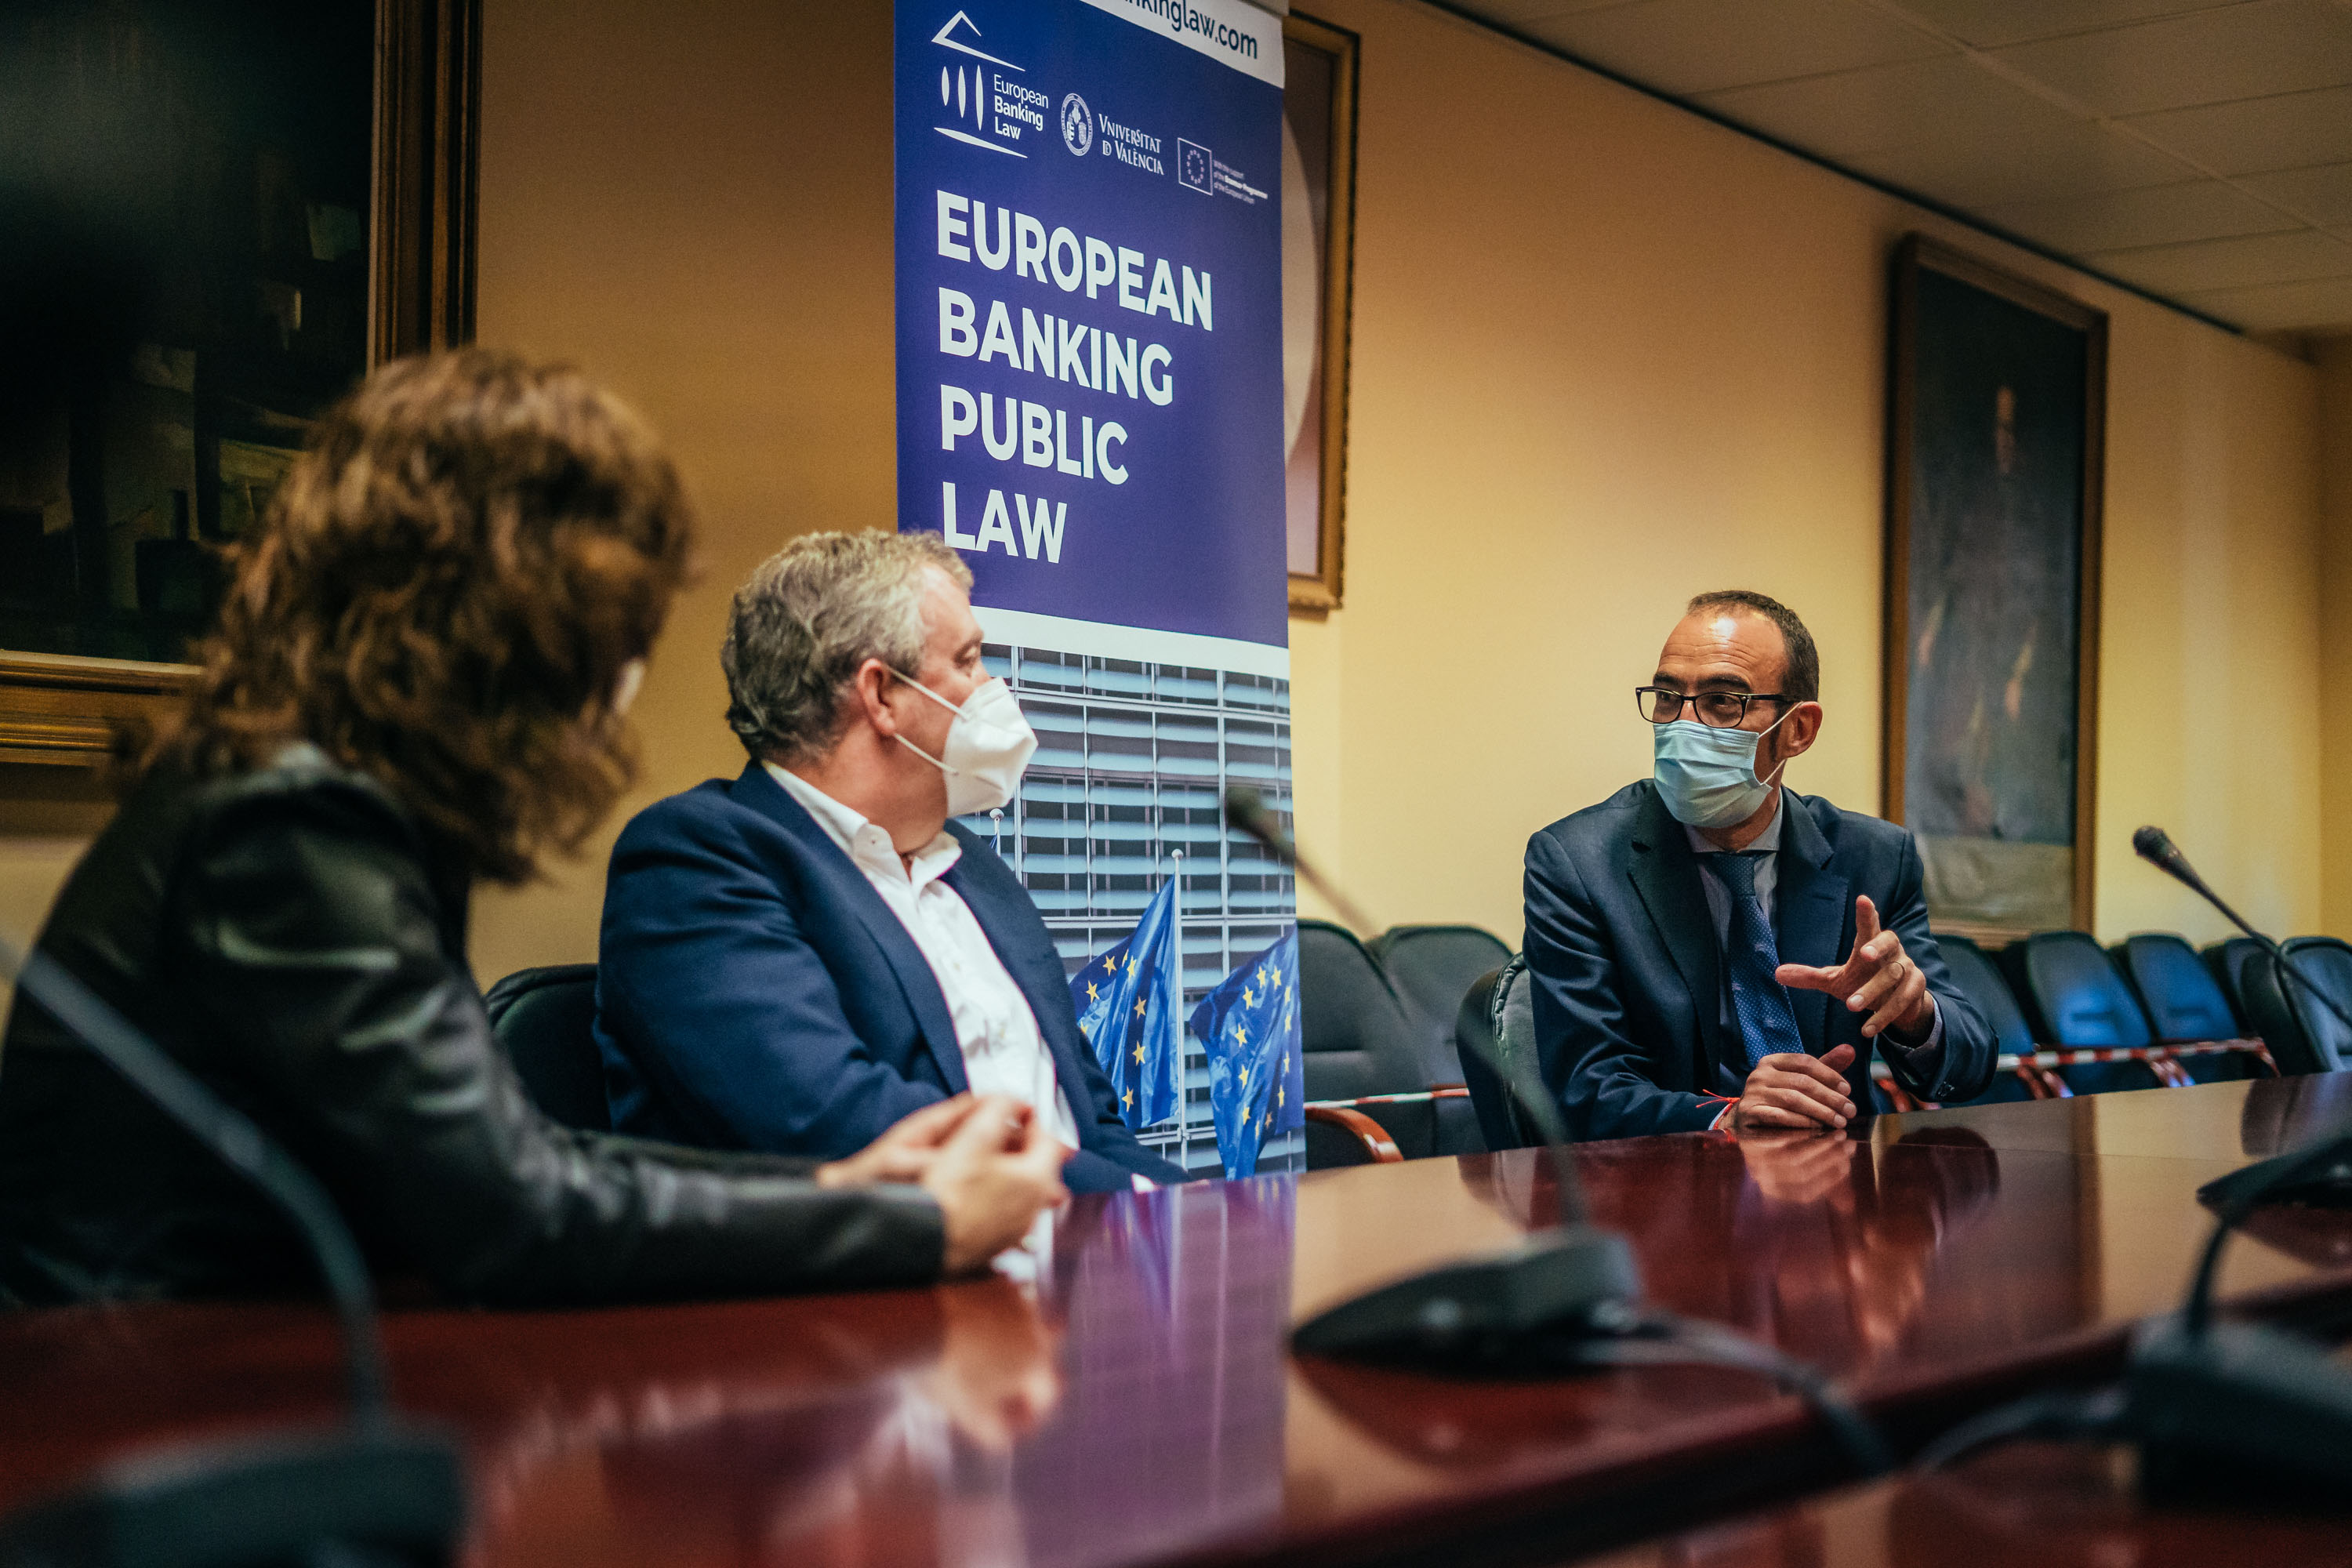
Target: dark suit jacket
[(1627, 976), (754, 992)]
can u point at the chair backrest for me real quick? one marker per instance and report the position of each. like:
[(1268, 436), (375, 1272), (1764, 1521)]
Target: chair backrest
[(1357, 1041), (2303, 1036), (1431, 966), (1474, 1021), (1980, 980), (2179, 994), (2071, 984), (543, 1017), (2228, 962)]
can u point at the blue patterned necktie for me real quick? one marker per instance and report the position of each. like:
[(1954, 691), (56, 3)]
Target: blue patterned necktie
[(1761, 1003)]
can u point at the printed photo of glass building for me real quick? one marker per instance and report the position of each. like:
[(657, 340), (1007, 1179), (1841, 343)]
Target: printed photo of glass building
[(1132, 760)]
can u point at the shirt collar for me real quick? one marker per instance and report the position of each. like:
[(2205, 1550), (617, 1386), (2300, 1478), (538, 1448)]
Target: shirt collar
[(864, 842), (1765, 843)]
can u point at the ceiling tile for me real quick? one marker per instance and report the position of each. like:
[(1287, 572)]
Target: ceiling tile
[(2156, 215), (1917, 103), (2034, 164), (2324, 195), (2316, 306), (2289, 130), (1517, 13), (2209, 264), (1988, 23), (2231, 52), (1688, 47)]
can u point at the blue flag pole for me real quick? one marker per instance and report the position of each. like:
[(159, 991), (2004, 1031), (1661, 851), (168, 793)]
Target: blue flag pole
[(1183, 1103)]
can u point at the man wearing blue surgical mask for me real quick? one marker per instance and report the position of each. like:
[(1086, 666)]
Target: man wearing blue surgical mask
[(795, 958), (1709, 948)]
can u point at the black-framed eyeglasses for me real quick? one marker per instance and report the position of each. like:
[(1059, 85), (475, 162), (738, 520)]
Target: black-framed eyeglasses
[(1715, 709)]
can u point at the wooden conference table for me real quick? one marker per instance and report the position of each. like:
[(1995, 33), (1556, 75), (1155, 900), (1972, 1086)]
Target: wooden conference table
[(1137, 1403)]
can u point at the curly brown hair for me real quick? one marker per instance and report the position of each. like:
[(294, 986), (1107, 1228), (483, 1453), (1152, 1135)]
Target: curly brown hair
[(443, 595)]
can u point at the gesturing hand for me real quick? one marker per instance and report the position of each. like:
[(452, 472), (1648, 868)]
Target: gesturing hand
[(1790, 1088), (1877, 977)]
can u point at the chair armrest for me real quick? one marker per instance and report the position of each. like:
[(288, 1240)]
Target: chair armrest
[(1370, 1133)]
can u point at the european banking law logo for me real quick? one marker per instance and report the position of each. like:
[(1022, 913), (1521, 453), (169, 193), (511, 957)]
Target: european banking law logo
[(1249, 1026), (1131, 1004), (986, 109)]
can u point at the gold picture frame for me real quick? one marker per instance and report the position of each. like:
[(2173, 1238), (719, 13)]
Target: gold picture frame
[(1319, 126), (77, 711)]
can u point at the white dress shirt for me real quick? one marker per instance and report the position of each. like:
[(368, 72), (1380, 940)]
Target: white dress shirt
[(1004, 1053), (1766, 846)]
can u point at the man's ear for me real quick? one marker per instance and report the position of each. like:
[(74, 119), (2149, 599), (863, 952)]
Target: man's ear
[(1805, 727), (869, 691)]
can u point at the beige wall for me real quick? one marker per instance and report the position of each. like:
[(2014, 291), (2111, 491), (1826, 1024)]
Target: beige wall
[(692, 201), (1606, 354), (2334, 645)]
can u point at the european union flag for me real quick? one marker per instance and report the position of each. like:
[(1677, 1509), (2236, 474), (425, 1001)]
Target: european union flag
[(1257, 1078), (1130, 1003)]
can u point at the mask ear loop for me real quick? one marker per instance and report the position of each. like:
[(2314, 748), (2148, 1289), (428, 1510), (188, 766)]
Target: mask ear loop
[(1783, 762), (942, 702)]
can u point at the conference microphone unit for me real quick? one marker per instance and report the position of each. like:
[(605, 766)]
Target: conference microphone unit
[(1569, 1298), (380, 1492)]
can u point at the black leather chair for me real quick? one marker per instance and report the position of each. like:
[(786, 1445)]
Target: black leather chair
[(2227, 961), (1978, 979), (2183, 1002), (2077, 999), (1431, 968), (542, 1016), (2303, 1036), (1359, 1041)]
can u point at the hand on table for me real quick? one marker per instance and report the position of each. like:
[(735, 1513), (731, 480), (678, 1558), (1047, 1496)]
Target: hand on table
[(1790, 1088), (1877, 977)]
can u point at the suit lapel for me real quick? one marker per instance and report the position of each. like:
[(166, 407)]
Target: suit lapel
[(1810, 909), (1666, 873), (845, 886)]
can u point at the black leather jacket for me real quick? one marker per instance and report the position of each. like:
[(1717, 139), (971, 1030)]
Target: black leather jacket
[(288, 934)]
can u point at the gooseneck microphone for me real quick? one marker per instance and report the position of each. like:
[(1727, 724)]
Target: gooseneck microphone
[(1565, 1298), (383, 1491), (2155, 845)]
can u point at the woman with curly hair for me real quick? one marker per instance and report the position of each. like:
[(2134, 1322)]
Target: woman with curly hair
[(418, 680)]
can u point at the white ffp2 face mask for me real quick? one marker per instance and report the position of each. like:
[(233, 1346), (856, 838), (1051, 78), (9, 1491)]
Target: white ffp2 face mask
[(988, 747)]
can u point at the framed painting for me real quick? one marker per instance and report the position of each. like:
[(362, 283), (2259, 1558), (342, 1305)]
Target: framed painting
[(1319, 233), (242, 206), (1995, 455)]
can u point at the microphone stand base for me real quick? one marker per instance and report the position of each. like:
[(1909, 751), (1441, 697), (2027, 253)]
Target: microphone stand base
[(2241, 1410), (392, 1496), (1575, 1282)]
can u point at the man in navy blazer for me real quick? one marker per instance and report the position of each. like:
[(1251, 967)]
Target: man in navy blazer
[(794, 958), (1684, 937)]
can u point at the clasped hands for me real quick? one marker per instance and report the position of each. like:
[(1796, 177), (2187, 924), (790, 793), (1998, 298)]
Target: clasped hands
[(987, 1160), (1791, 1089)]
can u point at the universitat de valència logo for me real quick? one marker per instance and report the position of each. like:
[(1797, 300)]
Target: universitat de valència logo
[(999, 110)]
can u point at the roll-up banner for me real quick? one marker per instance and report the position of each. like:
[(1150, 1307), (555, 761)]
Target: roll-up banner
[(1089, 350)]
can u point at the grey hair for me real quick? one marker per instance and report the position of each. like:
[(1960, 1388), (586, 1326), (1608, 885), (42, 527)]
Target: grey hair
[(811, 614)]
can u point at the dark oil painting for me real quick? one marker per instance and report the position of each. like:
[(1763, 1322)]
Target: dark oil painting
[(1996, 540), (185, 188)]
